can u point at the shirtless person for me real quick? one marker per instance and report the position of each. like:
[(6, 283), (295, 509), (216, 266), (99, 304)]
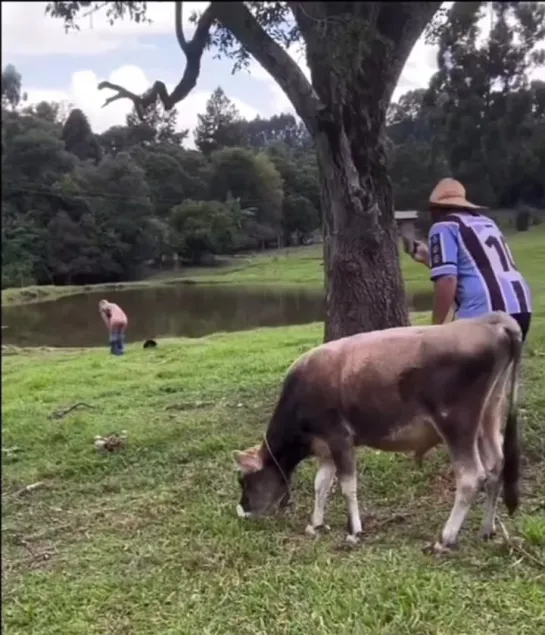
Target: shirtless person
[(116, 322)]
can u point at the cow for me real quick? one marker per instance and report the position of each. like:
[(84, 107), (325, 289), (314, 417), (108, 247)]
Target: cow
[(404, 389)]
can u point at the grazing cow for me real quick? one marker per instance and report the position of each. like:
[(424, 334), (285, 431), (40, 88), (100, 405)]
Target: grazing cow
[(402, 390)]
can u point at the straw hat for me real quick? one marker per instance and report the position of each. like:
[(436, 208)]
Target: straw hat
[(450, 193)]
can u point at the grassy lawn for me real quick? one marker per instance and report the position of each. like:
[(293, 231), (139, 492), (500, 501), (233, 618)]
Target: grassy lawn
[(284, 267), (146, 541)]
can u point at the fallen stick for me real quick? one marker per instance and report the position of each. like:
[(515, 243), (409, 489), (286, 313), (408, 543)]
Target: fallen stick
[(513, 545), (30, 488), (59, 414)]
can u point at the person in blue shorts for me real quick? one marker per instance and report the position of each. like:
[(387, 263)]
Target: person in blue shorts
[(471, 264), (116, 322)]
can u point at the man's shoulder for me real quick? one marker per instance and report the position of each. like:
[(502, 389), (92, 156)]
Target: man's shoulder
[(445, 225)]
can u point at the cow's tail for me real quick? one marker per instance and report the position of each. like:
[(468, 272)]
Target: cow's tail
[(511, 441)]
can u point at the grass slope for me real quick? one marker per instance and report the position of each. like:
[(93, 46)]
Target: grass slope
[(147, 540)]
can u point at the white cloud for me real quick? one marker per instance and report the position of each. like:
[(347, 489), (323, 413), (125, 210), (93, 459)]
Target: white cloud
[(84, 94), (26, 30)]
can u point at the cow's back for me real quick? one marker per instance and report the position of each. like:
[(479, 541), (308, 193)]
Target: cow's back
[(387, 384)]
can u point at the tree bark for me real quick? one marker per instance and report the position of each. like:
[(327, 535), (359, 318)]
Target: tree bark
[(364, 285), (356, 58)]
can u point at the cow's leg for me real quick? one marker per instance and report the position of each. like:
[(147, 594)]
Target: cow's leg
[(349, 488), (470, 475), (323, 483), (491, 451), (344, 456)]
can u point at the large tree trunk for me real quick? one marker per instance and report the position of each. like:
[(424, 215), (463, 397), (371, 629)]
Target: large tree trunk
[(364, 286), (356, 53)]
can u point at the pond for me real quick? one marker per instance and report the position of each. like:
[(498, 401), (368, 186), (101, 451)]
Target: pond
[(168, 311)]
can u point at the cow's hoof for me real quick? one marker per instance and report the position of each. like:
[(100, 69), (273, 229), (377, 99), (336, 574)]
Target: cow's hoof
[(488, 534), (353, 540), (440, 549), (437, 548), (314, 532)]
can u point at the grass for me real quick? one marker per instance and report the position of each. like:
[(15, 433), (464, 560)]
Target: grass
[(146, 540)]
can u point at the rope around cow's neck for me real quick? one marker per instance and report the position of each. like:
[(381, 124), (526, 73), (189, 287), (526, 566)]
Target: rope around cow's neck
[(276, 463)]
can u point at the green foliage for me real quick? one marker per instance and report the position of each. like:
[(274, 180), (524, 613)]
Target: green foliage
[(202, 227), (490, 117), (11, 88), (220, 126), (299, 219), (79, 138), (156, 127), (82, 208), (252, 179)]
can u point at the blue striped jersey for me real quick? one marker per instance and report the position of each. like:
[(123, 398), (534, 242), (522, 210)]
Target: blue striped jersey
[(471, 247)]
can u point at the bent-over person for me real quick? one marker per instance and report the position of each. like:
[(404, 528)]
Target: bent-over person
[(471, 265), (116, 322)]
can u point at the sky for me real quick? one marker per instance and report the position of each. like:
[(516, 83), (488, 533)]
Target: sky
[(67, 67)]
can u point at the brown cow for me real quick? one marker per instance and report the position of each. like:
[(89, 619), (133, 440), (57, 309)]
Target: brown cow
[(401, 390)]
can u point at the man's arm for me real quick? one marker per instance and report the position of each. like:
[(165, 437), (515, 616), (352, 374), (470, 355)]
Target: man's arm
[(443, 246), (444, 294), (105, 315)]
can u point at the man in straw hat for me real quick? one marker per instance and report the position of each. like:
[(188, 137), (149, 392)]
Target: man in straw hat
[(470, 262)]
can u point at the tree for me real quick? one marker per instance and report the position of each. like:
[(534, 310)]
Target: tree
[(482, 95), (261, 133), (112, 201), (201, 227), (299, 218), (11, 88), (356, 52), (254, 181), (155, 125), (220, 127), (79, 138)]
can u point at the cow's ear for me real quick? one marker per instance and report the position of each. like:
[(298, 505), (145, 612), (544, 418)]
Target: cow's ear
[(248, 461)]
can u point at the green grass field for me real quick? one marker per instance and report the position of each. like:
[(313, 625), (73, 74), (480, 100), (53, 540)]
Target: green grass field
[(146, 540)]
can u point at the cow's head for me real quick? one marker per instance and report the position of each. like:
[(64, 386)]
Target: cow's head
[(263, 486)]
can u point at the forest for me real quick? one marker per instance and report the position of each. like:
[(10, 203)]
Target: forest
[(80, 207)]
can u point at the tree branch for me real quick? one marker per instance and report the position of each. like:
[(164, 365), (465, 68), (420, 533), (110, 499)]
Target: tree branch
[(193, 51), (402, 23), (273, 58)]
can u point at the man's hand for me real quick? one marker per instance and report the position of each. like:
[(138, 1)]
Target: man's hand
[(417, 250)]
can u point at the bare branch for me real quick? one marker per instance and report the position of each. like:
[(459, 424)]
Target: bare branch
[(236, 17), (178, 19), (193, 51)]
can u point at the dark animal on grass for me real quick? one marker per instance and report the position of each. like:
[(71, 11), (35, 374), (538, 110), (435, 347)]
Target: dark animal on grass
[(400, 390), (150, 344)]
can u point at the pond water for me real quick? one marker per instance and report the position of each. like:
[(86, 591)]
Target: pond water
[(168, 311)]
